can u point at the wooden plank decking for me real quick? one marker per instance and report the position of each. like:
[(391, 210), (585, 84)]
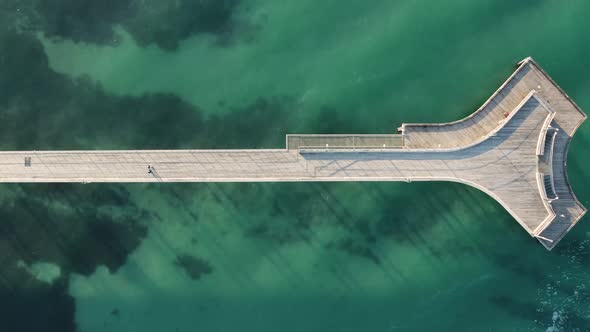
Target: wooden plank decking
[(501, 149), (568, 117)]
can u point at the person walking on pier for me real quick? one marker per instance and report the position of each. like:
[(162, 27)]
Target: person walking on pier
[(149, 169)]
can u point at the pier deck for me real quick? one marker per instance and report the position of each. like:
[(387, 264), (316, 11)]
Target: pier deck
[(514, 148)]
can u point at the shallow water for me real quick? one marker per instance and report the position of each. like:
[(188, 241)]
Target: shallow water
[(289, 257)]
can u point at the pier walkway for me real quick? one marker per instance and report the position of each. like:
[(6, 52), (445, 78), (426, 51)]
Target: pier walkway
[(513, 148)]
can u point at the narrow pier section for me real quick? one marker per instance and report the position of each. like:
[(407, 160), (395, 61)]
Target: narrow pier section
[(513, 148)]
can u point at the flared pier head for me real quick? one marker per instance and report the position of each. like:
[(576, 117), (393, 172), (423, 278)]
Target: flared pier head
[(514, 148), (535, 120)]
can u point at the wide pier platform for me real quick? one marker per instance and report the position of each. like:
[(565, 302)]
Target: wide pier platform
[(514, 148)]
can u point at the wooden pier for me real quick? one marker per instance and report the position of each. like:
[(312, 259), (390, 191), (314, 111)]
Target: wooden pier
[(514, 148)]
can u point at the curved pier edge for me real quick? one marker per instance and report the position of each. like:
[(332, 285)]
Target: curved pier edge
[(529, 77), (555, 231)]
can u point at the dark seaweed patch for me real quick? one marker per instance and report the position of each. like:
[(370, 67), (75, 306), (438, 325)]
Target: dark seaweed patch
[(34, 227), (162, 22), (193, 266), (79, 227), (64, 225), (166, 23), (41, 109), (358, 249), (29, 305)]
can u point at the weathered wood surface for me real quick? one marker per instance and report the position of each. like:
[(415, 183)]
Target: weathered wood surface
[(568, 117), (528, 76), (496, 149), (331, 141)]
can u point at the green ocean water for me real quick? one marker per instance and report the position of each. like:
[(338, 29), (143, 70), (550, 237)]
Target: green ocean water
[(295, 257)]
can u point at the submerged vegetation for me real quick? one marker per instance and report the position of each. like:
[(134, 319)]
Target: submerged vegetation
[(425, 227), (164, 23), (193, 266)]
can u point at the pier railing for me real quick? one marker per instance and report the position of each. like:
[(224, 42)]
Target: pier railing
[(345, 141)]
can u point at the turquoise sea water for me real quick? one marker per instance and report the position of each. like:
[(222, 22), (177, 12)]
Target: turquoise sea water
[(280, 257)]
